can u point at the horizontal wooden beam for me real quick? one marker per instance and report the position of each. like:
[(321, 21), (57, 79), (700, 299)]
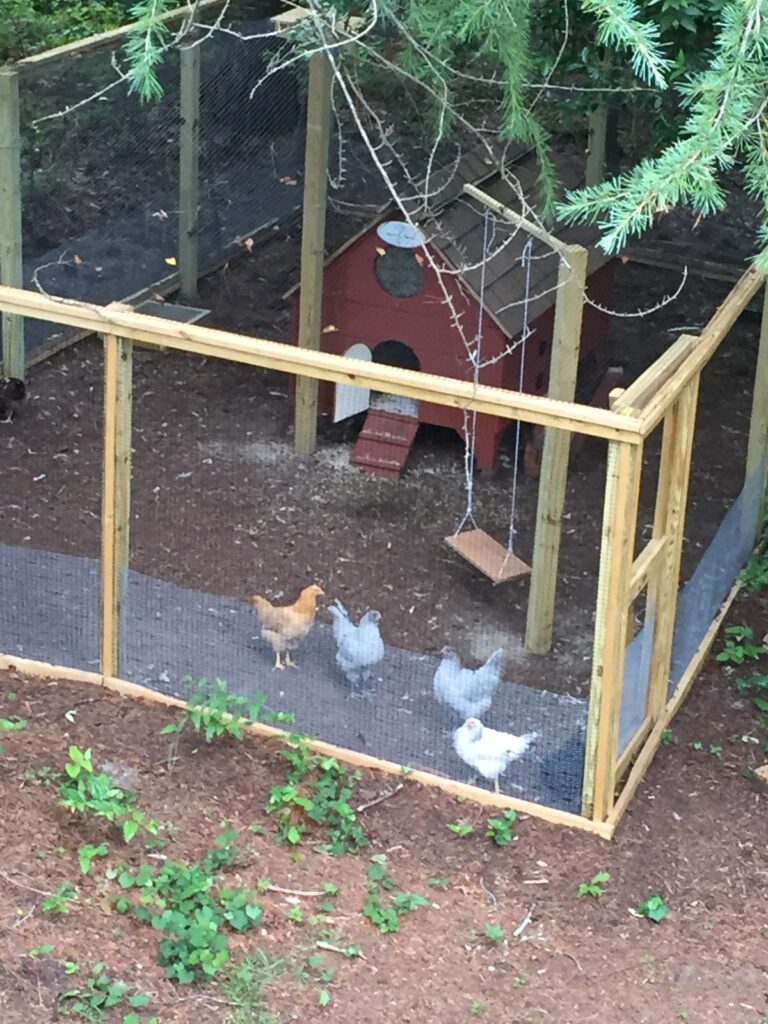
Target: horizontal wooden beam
[(216, 344), (512, 215), (645, 565), (113, 36), (702, 349), (43, 670), (643, 388)]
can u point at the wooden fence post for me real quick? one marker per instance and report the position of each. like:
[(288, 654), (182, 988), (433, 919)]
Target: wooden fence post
[(189, 171), (622, 490), (757, 451), (313, 243), (669, 526), (116, 500), (553, 478), (11, 268), (597, 145)]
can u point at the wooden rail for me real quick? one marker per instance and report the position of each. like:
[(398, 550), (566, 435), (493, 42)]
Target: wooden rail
[(43, 670), (216, 344), (114, 36)]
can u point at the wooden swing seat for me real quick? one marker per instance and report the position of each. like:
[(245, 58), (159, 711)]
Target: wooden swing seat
[(487, 555)]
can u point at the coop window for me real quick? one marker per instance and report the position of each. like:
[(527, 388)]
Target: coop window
[(399, 272)]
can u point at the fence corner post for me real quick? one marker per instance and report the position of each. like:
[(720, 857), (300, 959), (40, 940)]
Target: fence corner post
[(189, 171), (11, 267)]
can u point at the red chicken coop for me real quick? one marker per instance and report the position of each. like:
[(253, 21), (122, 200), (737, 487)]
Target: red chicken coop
[(383, 302)]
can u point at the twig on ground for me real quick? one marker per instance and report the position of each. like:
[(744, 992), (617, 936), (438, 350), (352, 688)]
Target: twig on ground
[(22, 920), (339, 949), (21, 885), (491, 898), (295, 892), (380, 799), (524, 923)]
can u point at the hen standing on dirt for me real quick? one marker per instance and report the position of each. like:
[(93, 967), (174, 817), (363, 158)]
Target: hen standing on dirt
[(12, 393)]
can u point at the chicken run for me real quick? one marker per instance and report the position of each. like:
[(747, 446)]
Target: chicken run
[(396, 654), (512, 606)]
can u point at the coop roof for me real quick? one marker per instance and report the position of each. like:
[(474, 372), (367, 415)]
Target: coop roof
[(454, 225)]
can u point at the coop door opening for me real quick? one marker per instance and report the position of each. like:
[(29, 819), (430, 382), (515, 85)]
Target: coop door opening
[(350, 399)]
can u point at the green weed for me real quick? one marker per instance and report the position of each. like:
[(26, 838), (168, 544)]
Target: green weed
[(739, 647), (594, 887), (500, 830), (91, 793), (461, 828), (317, 792), (182, 902), (384, 908), (653, 908), (88, 853), (59, 901), (214, 712), (100, 993)]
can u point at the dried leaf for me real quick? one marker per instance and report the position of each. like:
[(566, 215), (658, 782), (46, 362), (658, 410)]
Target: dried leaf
[(330, 329), (248, 243), (77, 259), (171, 261), (160, 214), (419, 258), (380, 251), (287, 180), (158, 297), (624, 259)]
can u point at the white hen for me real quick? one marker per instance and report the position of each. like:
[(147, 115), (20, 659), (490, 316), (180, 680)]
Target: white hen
[(489, 751), (359, 648), (468, 691)]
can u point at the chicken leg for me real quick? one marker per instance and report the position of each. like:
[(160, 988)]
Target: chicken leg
[(278, 662), (290, 663)]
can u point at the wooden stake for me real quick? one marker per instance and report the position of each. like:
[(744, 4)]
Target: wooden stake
[(116, 504), (622, 491), (11, 267), (668, 525), (313, 242), (564, 366), (757, 451), (189, 176)]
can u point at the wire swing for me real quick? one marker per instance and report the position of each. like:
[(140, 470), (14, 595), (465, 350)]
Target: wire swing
[(477, 547)]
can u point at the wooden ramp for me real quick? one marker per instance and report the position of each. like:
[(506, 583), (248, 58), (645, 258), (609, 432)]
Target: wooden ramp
[(487, 555), (385, 442)]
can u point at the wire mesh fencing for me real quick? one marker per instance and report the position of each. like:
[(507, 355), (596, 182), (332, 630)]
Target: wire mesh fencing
[(228, 529), (50, 514), (100, 188)]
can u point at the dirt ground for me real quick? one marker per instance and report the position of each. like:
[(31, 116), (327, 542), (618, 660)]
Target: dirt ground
[(694, 834)]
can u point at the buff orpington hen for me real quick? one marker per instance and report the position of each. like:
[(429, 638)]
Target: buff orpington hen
[(284, 627)]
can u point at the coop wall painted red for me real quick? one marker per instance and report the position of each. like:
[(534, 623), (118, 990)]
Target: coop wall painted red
[(360, 310)]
